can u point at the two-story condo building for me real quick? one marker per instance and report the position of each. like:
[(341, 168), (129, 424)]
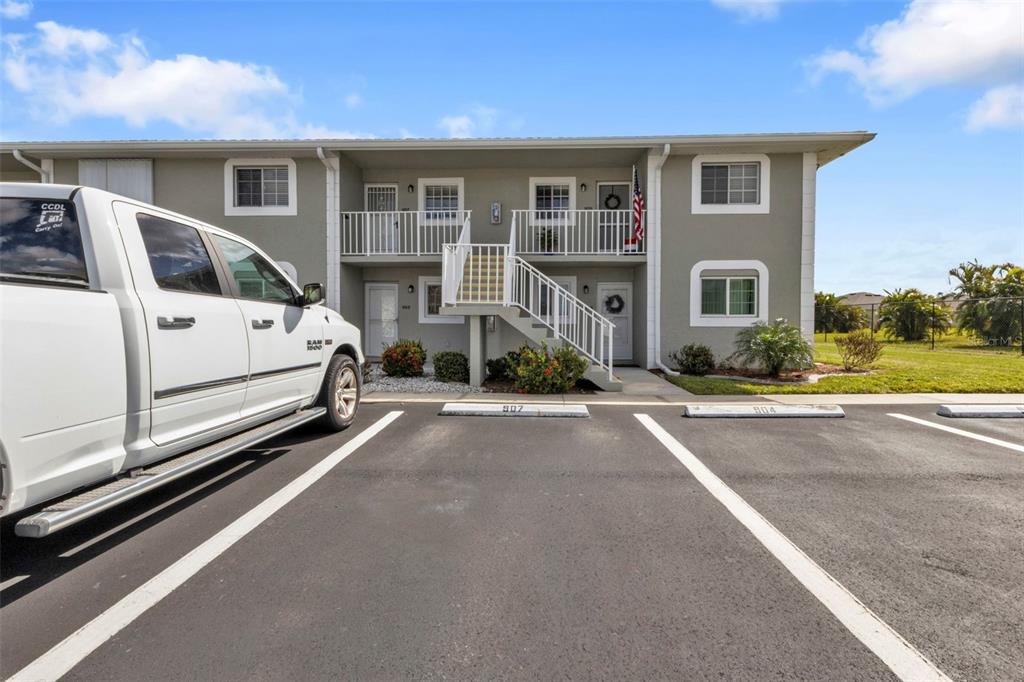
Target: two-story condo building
[(480, 245)]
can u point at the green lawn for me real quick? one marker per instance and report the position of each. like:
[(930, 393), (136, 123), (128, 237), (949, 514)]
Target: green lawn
[(955, 366)]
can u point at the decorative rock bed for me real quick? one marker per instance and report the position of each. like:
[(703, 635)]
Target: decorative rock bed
[(381, 383)]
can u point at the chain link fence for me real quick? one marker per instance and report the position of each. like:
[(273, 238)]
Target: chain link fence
[(995, 322)]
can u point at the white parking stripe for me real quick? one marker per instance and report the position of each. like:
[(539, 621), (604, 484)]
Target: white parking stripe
[(901, 656), (960, 432), (76, 646)]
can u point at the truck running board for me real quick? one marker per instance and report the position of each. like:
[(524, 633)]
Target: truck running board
[(71, 510)]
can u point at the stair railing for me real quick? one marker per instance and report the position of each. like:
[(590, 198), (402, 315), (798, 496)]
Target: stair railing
[(571, 320), (453, 261)]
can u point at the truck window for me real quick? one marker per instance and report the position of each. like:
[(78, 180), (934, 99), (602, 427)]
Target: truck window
[(40, 242), (177, 256), (255, 276)]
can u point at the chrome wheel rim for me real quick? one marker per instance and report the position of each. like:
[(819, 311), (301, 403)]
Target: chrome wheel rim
[(346, 393)]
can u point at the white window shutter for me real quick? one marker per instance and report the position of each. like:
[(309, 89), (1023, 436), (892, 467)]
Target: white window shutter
[(92, 173), (130, 177)]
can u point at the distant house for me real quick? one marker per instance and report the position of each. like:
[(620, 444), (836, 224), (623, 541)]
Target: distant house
[(862, 299)]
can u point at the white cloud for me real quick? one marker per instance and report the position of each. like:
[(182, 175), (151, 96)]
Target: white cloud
[(1001, 107), (751, 10), (64, 41), (353, 100), (479, 122), (12, 9), (933, 43), (96, 75)]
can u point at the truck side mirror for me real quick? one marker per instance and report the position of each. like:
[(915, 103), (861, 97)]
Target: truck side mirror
[(312, 293)]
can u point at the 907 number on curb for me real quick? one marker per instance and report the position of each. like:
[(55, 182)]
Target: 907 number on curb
[(511, 409)]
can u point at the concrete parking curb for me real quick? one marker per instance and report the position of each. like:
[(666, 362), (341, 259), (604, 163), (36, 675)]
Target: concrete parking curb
[(763, 411), (516, 409), (976, 411)]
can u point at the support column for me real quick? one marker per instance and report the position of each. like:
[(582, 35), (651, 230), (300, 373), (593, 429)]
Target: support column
[(477, 350), (810, 171)]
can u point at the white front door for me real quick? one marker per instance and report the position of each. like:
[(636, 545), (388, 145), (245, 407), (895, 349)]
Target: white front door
[(615, 301), (381, 317)]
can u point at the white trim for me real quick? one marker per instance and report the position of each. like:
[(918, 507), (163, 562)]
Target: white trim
[(571, 181), (426, 318), (421, 183), (764, 191), (332, 174), (229, 188), (808, 189), (698, 320)]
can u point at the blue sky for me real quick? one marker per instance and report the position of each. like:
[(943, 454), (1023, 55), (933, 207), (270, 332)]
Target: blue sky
[(942, 83)]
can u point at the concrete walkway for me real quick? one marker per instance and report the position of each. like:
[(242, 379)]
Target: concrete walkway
[(686, 399)]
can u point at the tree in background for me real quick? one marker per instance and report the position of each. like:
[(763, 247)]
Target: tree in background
[(912, 314), (993, 298), (831, 315)]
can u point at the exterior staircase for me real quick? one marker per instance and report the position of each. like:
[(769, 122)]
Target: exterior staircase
[(489, 279)]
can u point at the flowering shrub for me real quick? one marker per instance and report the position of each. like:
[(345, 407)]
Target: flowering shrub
[(541, 371), (403, 358)]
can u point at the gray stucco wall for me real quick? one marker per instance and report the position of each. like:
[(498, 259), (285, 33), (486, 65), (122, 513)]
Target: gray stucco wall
[(772, 238), (195, 187)]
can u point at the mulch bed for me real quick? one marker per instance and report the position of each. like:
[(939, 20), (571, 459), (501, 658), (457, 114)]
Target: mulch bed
[(509, 386)]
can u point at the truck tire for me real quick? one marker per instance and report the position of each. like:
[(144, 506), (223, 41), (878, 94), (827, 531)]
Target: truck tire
[(340, 393)]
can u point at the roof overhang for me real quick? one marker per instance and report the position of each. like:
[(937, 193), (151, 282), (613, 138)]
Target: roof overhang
[(828, 146)]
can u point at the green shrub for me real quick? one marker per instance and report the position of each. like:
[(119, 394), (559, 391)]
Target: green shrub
[(403, 358), (911, 315), (693, 358), (497, 368), (774, 347), (451, 365), (858, 349), (541, 371)]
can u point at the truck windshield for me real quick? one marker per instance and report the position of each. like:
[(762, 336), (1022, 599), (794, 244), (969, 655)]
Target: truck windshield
[(40, 241)]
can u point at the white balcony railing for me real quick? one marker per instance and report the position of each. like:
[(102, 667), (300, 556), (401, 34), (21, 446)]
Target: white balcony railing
[(399, 233), (584, 232)]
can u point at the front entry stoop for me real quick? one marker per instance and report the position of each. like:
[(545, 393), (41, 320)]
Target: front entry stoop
[(599, 377)]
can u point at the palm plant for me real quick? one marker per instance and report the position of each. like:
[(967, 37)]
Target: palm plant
[(774, 347)]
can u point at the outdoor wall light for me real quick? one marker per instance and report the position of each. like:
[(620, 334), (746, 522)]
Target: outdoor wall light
[(583, 187), (410, 188), (412, 289), (586, 288)]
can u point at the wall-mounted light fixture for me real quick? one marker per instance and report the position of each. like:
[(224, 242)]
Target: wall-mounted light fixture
[(410, 189), (583, 187), (586, 288), (412, 289)]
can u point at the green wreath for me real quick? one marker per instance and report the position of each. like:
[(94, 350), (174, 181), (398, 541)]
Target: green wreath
[(614, 304), (612, 199)]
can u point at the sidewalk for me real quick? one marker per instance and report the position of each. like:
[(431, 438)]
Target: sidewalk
[(686, 399)]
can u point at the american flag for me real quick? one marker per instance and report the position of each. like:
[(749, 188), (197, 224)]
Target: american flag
[(638, 207)]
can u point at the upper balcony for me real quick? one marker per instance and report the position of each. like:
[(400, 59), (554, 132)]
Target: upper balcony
[(582, 232), (400, 233)]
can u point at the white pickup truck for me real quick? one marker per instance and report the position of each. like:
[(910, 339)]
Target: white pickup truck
[(138, 345)]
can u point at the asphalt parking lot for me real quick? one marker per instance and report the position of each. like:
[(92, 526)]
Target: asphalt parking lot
[(461, 547)]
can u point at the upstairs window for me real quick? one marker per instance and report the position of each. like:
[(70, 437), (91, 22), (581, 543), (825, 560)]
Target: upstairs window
[(731, 183), (552, 198), (260, 187), (441, 198)]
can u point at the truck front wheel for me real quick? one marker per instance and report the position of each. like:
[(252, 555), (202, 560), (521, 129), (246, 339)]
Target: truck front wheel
[(340, 393)]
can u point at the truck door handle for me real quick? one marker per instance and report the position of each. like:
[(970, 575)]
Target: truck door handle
[(168, 322), (262, 324)]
